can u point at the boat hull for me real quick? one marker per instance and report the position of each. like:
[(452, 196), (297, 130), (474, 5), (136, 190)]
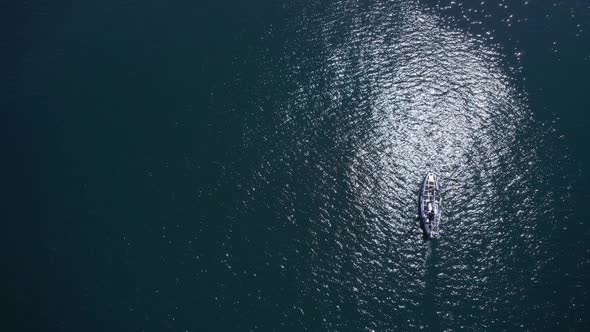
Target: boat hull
[(430, 201)]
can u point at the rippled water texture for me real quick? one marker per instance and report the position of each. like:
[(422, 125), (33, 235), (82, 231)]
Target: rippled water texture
[(377, 96)]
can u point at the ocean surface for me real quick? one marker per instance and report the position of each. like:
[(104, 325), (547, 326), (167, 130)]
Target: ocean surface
[(238, 166)]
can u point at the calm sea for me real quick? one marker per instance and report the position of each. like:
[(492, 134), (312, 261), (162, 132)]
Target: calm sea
[(237, 166)]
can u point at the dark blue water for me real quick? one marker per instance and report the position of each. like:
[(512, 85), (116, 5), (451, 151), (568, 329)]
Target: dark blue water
[(238, 166)]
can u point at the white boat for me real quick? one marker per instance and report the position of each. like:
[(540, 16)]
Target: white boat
[(430, 208)]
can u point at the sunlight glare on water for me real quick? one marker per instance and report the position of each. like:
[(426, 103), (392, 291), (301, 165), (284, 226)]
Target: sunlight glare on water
[(379, 95)]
